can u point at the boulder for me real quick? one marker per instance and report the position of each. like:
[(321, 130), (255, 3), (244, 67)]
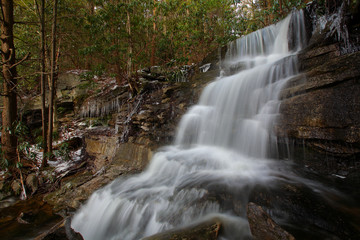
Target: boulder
[(326, 94), (320, 108), (263, 227), (32, 182), (16, 187), (25, 218), (61, 231), (208, 230), (308, 214), (155, 70), (5, 191)]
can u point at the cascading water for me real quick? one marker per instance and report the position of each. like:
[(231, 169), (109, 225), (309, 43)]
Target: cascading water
[(222, 148)]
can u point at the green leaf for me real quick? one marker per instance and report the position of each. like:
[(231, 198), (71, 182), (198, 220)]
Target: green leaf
[(19, 165)]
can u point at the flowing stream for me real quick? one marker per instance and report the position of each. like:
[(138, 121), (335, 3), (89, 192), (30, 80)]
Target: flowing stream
[(223, 148)]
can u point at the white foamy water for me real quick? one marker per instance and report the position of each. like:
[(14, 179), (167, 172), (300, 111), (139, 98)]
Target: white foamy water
[(220, 153)]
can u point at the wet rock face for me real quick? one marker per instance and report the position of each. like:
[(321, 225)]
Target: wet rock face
[(321, 107), (325, 106), (297, 208), (263, 227), (137, 126), (100, 149), (159, 113)]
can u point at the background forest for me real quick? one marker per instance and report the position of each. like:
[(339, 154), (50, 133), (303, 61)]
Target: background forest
[(124, 36)]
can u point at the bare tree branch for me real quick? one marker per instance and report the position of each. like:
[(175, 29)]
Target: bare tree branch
[(22, 60), (26, 23), (2, 14), (10, 56)]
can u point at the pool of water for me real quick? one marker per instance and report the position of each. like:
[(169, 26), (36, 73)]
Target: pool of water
[(26, 219)]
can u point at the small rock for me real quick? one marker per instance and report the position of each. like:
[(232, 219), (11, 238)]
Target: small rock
[(166, 100), (16, 186), (146, 70), (161, 78), (32, 182), (21, 219), (61, 231), (142, 116), (4, 203), (181, 106), (155, 70), (145, 128), (168, 91)]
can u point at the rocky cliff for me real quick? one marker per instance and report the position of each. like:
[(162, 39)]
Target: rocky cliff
[(320, 110), (120, 132)]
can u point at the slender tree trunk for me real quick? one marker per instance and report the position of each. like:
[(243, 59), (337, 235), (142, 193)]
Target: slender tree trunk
[(42, 79), (52, 80), (130, 50), (164, 25), (266, 6), (152, 59), (281, 7), (9, 114), (185, 53), (89, 61)]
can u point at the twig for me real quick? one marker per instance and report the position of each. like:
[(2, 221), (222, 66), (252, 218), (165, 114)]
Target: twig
[(21, 177), (22, 60), (10, 56), (26, 23)]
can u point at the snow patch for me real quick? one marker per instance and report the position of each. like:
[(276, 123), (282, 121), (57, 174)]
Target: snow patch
[(205, 68)]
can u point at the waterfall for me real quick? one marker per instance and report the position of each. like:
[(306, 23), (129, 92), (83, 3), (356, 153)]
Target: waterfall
[(223, 149)]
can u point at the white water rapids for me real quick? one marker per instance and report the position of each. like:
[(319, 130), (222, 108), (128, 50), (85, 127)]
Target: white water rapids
[(222, 150)]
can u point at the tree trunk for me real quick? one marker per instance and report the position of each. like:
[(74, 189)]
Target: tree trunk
[(130, 50), (9, 114), (281, 7), (42, 79), (152, 58), (52, 80), (164, 25)]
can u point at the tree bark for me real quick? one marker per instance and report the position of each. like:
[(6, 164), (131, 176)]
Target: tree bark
[(42, 79), (9, 114), (281, 7), (153, 38), (130, 50), (52, 80)]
